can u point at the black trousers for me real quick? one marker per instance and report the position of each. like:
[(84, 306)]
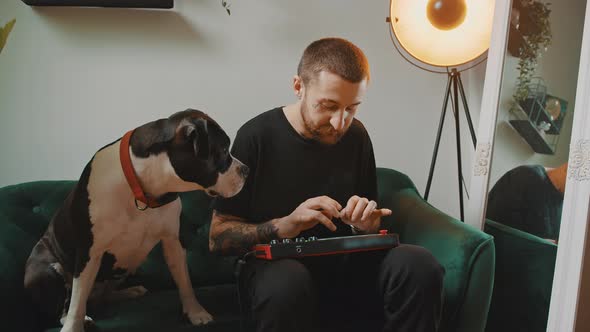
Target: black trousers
[(394, 290)]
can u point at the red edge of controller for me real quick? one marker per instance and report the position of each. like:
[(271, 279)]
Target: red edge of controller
[(262, 251)]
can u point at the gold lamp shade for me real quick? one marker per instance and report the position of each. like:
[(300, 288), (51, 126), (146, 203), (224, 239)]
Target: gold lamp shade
[(443, 33)]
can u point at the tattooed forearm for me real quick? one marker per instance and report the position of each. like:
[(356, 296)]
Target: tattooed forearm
[(234, 240), (233, 236), (266, 232)]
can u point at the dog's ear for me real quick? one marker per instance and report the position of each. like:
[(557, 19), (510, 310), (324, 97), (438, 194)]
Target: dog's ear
[(151, 137), (196, 130)]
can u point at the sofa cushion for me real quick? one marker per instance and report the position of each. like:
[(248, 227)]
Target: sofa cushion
[(26, 210), (161, 311)]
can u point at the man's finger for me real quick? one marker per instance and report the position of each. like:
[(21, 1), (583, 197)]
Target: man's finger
[(369, 210), (384, 212), (331, 201), (328, 209), (346, 213), (326, 222), (359, 209)]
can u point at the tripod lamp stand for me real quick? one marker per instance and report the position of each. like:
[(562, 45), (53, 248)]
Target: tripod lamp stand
[(444, 37)]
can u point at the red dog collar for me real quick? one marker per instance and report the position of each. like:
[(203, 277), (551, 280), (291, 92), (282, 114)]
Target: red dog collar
[(134, 182)]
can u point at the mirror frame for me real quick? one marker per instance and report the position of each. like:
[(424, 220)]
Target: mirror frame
[(575, 215)]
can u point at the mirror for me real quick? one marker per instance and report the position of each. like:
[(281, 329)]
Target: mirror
[(533, 121), (528, 168)]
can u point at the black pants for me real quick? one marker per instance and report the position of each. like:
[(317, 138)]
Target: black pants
[(396, 290)]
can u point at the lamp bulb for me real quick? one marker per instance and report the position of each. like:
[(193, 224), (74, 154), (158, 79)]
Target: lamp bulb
[(446, 14)]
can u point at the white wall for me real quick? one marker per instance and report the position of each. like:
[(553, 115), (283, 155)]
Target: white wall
[(75, 79)]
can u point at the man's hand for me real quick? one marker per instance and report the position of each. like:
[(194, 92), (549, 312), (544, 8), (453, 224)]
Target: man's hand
[(363, 214), (308, 214)]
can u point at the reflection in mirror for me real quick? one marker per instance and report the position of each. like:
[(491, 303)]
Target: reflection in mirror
[(529, 163), (534, 121)]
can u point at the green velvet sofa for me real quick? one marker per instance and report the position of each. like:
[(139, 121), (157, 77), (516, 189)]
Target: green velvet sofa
[(525, 265), (467, 254)]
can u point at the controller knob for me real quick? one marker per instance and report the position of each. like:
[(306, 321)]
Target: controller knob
[(312, 238), (286, 241), (300, 239), (274, 242), (383, 232)]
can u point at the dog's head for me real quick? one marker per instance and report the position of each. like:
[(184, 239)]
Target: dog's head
[(197, 149)]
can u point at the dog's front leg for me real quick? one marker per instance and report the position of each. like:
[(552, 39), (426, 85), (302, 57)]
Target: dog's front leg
[(175, 257), (81, 288)]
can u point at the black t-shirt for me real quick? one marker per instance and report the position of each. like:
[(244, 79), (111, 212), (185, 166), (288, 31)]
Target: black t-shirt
[(286, 169), (526, 199)]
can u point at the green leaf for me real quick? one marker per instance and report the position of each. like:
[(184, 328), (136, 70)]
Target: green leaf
[(4, 32)]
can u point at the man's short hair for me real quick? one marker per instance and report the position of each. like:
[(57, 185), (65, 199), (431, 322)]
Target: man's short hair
[(336, 55)]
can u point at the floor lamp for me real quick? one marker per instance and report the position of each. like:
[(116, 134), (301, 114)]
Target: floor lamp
[(443, 37)]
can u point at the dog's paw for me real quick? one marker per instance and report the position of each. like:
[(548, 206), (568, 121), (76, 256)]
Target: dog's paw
[(198, 316), (87, 324)]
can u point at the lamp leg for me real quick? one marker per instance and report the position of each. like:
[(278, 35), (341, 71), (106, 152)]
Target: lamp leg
[(437, 142), (466, 108), (455, 105)]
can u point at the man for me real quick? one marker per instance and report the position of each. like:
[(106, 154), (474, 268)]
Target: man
[(312, 173), (530, 198)]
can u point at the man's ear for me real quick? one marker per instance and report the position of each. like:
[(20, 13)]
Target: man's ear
[(298, 86)]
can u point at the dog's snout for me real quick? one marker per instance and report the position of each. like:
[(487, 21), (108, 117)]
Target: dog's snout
[(244, 170)]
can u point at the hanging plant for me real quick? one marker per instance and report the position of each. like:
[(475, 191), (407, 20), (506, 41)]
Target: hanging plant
[(535, 29), (226, 6)]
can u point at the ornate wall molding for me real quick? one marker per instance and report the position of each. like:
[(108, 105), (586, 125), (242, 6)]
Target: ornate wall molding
[(482, 159), (579, 161)]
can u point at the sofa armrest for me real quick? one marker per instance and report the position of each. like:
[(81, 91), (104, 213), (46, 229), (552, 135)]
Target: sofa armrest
[(525, 265), (467, 254)]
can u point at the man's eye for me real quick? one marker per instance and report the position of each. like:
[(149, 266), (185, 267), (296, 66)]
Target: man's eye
[(330, 107)]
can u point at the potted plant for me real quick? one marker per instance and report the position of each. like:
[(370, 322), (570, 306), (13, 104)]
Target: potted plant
[(534, 29)]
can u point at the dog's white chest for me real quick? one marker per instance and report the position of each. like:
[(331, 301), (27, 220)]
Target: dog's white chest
[(132, 245), (118, 227), (130, 234)]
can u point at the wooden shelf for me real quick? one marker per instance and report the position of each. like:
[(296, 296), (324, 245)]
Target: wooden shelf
[(536, 112), (525, 119), (532, 136), (164, 4)]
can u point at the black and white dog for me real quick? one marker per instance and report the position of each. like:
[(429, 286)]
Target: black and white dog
[(124, 203)]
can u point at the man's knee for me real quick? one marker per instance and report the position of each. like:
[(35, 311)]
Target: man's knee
[(414, 264), (281, 285)]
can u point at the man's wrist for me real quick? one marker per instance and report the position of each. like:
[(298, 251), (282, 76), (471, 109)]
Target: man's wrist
[(280, 223)]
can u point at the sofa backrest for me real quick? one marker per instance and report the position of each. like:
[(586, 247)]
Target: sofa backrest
[(26, 210), (390, 181)]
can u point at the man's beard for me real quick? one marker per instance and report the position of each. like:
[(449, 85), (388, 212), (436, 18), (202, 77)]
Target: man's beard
[(324, 134)]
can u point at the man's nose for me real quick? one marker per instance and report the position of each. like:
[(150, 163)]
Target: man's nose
[(337, 120)]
